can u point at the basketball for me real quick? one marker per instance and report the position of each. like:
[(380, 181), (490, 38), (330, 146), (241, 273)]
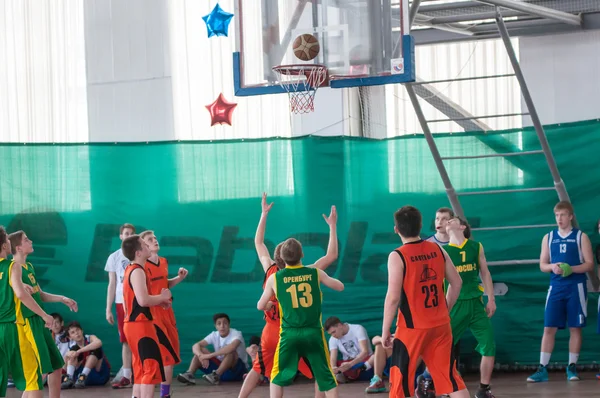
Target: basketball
[(306, 47)]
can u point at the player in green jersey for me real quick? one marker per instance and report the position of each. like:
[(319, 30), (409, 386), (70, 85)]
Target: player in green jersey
[(50, 360), (17, 354), (299, 296), (470, 311)]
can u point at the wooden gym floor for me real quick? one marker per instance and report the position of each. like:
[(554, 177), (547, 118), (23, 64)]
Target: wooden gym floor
[(505, 385)]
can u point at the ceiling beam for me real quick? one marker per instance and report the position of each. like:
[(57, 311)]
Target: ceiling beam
[(539, 11), (479, 16)]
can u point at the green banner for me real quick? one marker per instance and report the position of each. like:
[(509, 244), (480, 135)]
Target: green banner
[(203, 202)]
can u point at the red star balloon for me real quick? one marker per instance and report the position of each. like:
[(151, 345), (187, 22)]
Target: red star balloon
[(221, 111)]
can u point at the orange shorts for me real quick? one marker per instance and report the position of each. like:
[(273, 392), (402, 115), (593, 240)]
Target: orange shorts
[(146, 357), (168, 337), (435, 347), (263, 363)]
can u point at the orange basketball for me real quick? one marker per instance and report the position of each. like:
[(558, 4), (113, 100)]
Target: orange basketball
[(306, 47)]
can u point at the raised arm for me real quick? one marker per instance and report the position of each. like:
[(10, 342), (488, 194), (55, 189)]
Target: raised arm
[(454, 281), (138, 281), (330, 282), (392, 297), (259, 237), (264, 303), (488, 284), (332, 246), (181, 275), (16, 283)]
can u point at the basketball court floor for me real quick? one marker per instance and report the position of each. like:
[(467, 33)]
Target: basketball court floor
[(504, 385)]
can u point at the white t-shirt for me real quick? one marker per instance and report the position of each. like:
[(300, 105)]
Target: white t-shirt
[(62, 343), (349, 344), (117, 263), (219, 342)]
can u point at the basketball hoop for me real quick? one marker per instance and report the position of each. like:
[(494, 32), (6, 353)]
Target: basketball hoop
[(301, 81)]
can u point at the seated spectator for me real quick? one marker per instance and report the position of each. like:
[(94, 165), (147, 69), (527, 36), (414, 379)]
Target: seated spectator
[(353, 343), (229, 360), (59, 333), (86, 364), (381, 361)]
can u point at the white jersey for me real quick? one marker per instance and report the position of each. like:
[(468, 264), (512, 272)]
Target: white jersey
[(349, 344), (433, 239), (219, 342), (117, 263)]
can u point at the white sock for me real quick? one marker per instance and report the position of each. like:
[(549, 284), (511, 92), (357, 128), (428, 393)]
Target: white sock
[(545, 358), (70, 371), (573, 357), (367, 366), (127, 373), (86, 371)]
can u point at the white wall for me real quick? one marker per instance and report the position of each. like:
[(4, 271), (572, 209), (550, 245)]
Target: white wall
[(128, 70), (563, 76)]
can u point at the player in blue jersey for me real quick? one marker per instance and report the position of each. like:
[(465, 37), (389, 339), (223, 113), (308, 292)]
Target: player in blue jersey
[(442, 216), (566, 303)]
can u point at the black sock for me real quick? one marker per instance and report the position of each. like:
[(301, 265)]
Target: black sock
[(484, 386)]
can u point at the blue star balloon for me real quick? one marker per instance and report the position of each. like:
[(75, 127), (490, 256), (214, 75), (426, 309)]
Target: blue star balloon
[(217, 22)]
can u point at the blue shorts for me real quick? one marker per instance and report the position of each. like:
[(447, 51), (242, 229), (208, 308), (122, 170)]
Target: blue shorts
[(566, 305), (96, 378), (234, 374)]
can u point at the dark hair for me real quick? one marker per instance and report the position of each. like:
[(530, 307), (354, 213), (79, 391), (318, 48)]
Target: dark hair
[(221, 315), (73, 325), (291, 251), (408, 221), (130, 246), (331, 322), (126, 226), (3, 235), (277, 256), (255, 340), (467, 230), (56, 315), (445, 210), (16, 238)]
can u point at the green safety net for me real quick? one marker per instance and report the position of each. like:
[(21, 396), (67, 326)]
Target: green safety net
[(203, 201)]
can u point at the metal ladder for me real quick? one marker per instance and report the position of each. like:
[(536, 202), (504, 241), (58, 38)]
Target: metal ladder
[(559, 184)]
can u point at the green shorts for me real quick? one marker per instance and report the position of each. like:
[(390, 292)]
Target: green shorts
[(42, 341), (470, 314), (17, 356), (310, 344)]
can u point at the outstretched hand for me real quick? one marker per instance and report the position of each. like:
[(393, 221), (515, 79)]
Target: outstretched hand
[(265, 207), (332, 219)]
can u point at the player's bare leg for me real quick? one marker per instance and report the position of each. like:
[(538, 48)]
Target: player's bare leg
[(333, 393), (54, 381), (251, 381), (275, 391), (574, 350), (460, 394), (165, 388), (378, 361), (146, 391), (486, 369)]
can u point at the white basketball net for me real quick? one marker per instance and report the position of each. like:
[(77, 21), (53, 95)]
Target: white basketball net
[(301, 82)]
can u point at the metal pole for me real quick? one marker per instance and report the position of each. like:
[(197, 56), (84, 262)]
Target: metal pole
[(539, 11), (436, 154), (412, 14), (539, 129)]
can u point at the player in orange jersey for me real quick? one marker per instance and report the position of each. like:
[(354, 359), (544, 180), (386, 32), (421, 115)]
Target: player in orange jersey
[(138, 324), (263, 363), (416, 273), (157, 272)]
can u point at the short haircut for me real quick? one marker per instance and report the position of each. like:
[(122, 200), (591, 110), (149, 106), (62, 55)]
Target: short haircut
[(220, 315), (467, 230), (291, 251), (56, 315), (130, 246), (73, 325), (277, 256), (408, 221), (126, 226), (445, 210), (331, 322), (16, 238), (564, 205), (146, 233), (3, 235)]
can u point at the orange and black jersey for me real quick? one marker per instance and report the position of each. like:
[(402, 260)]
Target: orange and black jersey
[(134, 312), (422, 300), (158, 276), (272, 315)]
